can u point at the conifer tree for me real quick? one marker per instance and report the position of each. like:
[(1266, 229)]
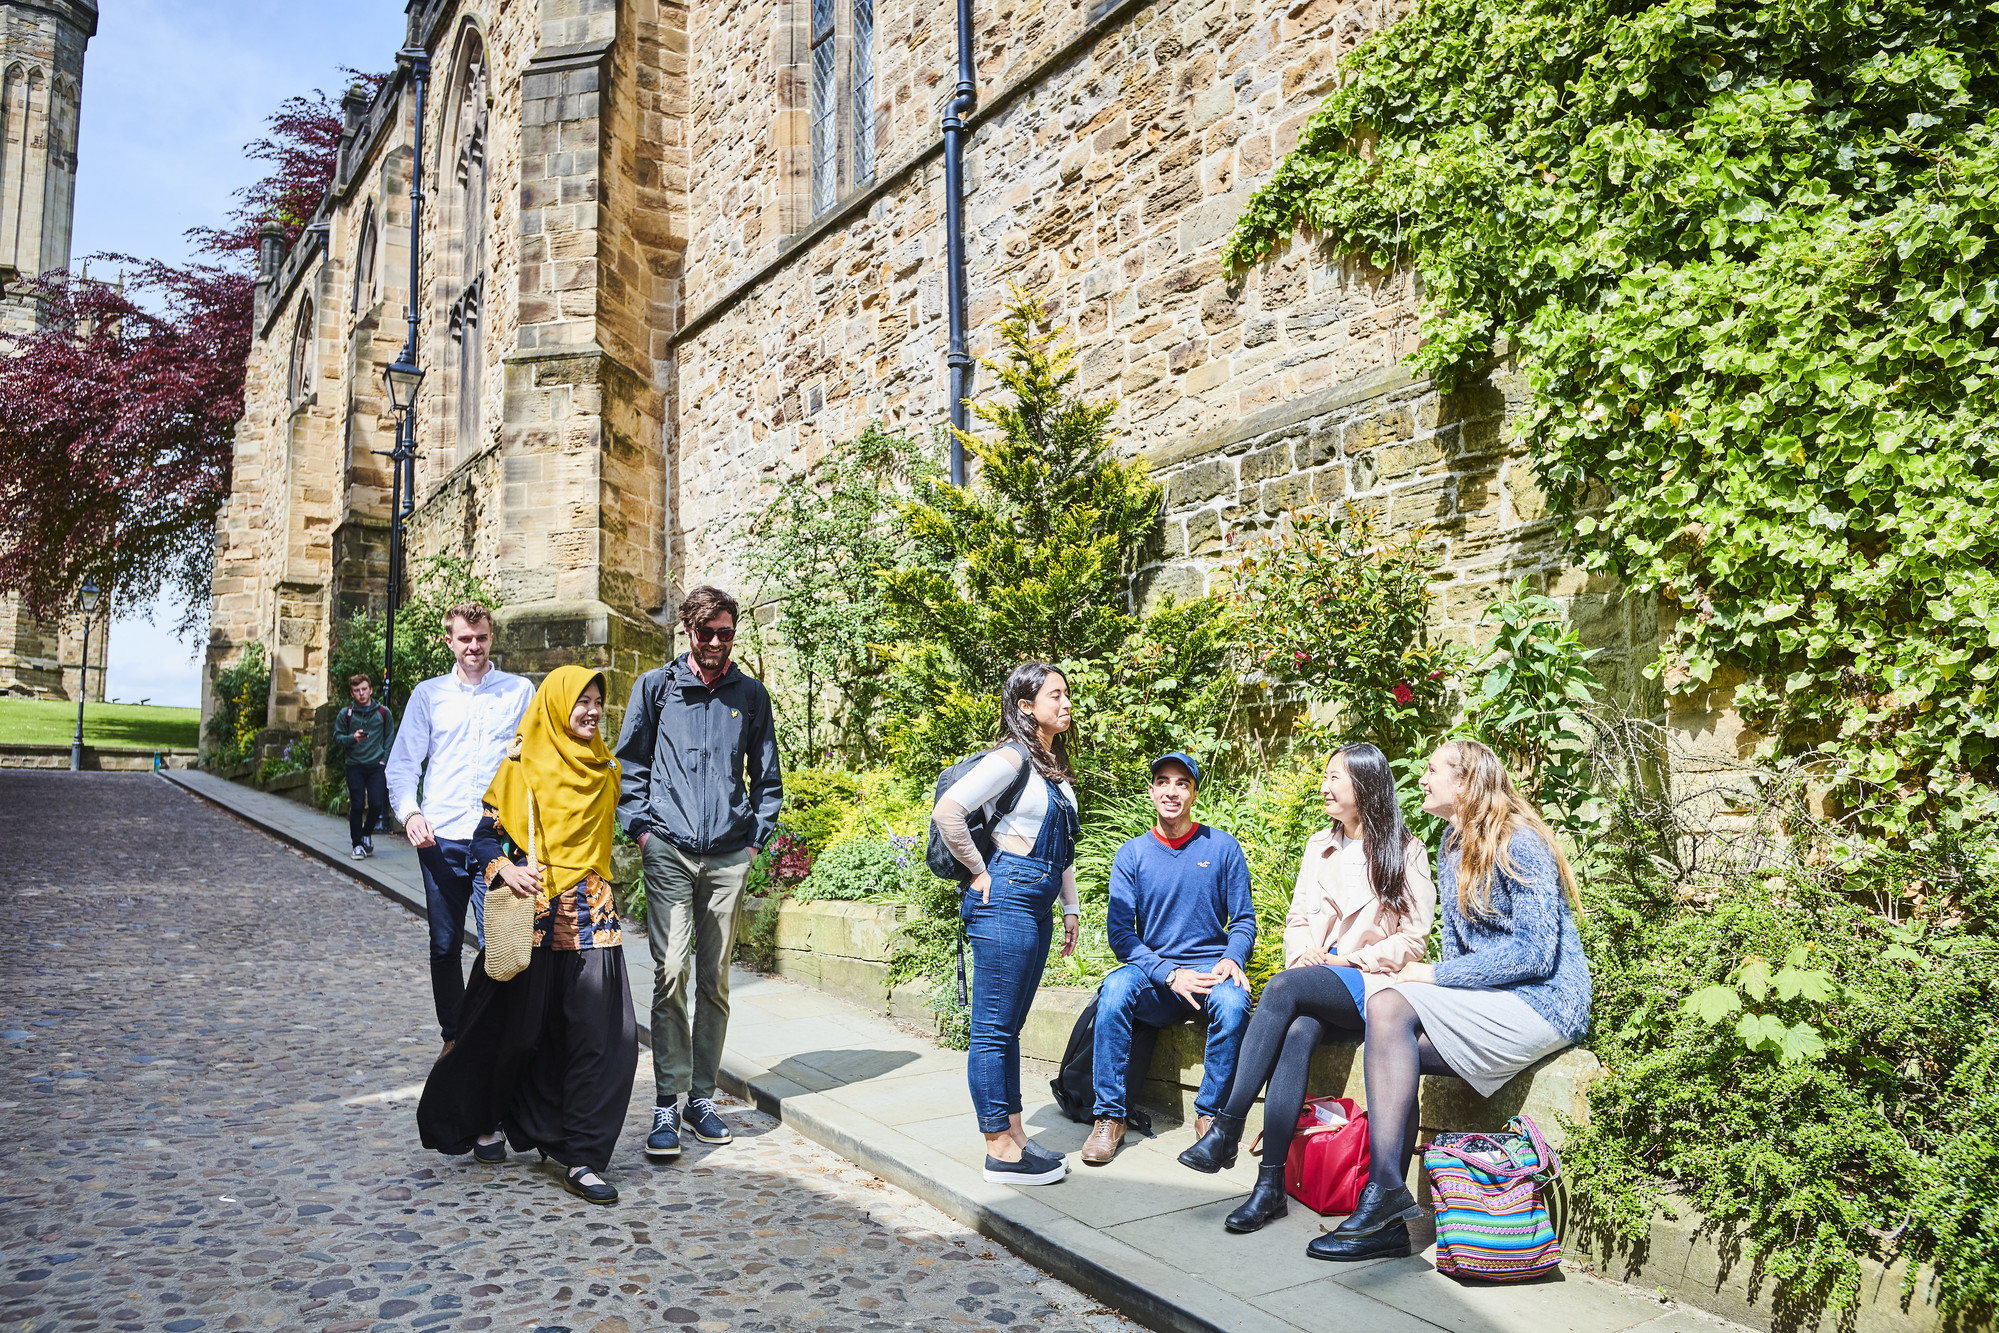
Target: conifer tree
[(1032, 559)]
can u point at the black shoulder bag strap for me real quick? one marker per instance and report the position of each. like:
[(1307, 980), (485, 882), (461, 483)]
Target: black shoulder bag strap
[(1003, 804)]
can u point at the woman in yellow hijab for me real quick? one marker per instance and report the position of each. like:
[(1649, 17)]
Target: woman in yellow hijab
[(549, 1054)]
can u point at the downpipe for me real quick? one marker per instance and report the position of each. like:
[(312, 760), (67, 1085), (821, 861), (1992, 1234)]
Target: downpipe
[(956, 113)]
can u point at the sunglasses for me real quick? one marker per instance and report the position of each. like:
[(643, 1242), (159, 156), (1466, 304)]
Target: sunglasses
[(706, 635)]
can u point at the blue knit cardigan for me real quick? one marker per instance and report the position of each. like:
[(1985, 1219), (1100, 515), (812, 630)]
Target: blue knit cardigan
[(1528, 945)]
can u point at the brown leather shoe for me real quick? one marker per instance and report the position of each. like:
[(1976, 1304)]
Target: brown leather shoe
[(1201, 1123), (1102, 1145)]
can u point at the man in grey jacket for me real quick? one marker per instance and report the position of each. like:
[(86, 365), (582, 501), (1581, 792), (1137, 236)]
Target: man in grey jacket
[(699, 791)]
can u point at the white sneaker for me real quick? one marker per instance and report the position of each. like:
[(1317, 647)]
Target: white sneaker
[(360, 852)]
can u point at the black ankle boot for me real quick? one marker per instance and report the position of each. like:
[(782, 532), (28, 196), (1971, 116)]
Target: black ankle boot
[(1266, 1203), (1379, 1209), (1216, 1149)]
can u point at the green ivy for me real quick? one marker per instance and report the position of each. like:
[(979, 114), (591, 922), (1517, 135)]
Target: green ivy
[(1529, 695), (1744, 252)]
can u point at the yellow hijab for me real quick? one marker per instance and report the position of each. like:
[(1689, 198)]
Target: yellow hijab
[(574, 782)]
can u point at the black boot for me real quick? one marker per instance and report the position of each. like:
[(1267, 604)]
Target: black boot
[(1216, 1149), (1266, 1203)]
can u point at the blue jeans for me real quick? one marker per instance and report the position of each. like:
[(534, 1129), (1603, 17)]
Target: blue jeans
[(1009, 937), (1129, 996), (450, 881)]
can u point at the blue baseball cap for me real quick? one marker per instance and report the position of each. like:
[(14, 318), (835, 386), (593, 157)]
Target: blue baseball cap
[(1182, 758)]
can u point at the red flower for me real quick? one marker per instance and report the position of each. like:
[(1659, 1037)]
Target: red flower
[(1403, 694)]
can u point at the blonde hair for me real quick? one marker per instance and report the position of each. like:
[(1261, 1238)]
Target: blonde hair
[(1490, 810)]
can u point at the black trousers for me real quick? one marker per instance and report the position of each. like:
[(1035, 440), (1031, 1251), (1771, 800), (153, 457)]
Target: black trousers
[(549, 1056), (367, 800), (1300, 1005)]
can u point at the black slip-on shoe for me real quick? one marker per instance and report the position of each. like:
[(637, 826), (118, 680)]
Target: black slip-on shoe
[(1380, 1208), (663, 1145), (1390, 1242), (490, 1152), (1029, 1170), (707, 1125), (601, 1192)]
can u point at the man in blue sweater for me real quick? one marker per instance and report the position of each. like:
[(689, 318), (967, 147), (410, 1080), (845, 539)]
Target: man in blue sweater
[(1182, 924)]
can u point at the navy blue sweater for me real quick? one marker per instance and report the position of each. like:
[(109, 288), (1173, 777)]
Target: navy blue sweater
[(1188, 908)]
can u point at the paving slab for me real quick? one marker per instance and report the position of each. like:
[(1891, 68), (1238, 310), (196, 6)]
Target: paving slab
[(1142, 1234)]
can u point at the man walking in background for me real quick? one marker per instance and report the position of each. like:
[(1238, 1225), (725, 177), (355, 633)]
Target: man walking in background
[(700, 791), (364, 730), (456, 729)]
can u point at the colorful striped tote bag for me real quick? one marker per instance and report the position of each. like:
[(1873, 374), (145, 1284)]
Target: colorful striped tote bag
[(1492, 1222)]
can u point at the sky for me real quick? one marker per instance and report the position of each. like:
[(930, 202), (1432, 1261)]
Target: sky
[(172, 90)]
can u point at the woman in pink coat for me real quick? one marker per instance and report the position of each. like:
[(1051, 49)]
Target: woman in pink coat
[(1362, 909)]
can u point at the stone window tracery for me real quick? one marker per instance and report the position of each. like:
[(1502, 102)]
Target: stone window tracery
[(841, 107), (825, 108), (364, 261), (468, 220), (299, 376), (864, 92)]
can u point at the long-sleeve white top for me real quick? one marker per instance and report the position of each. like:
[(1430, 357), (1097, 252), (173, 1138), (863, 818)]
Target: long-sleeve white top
[(454, 736)]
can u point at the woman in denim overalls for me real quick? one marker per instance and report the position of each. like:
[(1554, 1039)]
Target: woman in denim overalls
[(1007, 905)]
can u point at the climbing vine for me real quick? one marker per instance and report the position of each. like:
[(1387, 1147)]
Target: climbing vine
[(1743, 251)]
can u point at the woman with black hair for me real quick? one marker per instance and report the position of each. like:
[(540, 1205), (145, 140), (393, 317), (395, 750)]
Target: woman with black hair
[(1361, 910), (1006, 906)]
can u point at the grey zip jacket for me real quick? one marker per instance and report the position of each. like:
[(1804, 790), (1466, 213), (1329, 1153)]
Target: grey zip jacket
[(699, 766)]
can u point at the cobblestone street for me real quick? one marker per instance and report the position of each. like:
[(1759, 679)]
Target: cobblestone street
[(209, 1046)]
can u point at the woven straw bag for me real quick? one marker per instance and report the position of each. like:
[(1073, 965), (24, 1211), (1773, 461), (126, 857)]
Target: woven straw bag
[(510, 921)]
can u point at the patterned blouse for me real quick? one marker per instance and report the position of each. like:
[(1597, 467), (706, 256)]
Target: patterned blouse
[(583, 916)]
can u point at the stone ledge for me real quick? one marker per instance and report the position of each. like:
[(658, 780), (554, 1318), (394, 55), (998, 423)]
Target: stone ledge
[(96, 758)]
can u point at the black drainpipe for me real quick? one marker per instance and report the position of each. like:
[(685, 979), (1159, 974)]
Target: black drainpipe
[(955, 113)]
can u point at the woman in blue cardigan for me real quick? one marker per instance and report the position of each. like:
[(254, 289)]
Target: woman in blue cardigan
[(1512, 985)]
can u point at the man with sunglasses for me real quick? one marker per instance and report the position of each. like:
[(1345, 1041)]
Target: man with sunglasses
[(699, 792)]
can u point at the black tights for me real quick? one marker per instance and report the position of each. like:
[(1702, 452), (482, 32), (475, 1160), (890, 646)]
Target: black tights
[(1397, 1056), (1291, 1019)]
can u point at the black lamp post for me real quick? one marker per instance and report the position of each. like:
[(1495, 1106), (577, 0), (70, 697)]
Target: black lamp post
[(405, 377), (83, 676)]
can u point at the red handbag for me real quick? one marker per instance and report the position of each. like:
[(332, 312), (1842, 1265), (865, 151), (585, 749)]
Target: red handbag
[(1326, 1168)]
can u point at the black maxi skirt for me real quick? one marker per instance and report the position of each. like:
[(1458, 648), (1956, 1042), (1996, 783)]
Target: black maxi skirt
[(549, 1056)]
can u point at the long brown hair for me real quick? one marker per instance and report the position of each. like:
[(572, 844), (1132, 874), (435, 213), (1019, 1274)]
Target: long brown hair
[(1490, 809), (1022, 686)]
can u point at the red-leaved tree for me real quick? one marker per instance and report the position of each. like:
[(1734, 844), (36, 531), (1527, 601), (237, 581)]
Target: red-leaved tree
[(117, 415), (303, 148), (116, 421)]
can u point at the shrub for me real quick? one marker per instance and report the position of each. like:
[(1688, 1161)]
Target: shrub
[(1811, 1073), (756, 943), (816, 802), (1530, 697), (877, 869), (242, 706)]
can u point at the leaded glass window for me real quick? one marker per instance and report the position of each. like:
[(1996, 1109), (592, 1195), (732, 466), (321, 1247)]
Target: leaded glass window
[(864, 91), (825, 107)]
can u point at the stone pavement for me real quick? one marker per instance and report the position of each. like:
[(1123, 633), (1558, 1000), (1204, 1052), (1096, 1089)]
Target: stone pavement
[(210, 1048), (1143, 1233)]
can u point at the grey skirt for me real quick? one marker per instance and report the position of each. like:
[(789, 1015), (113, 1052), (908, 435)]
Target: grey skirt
[(1485, 1036)]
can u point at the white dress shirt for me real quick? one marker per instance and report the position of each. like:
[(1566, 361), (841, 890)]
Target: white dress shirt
[(455, 734)]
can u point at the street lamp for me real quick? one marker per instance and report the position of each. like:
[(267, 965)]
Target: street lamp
[(404, 380), (89, 599)]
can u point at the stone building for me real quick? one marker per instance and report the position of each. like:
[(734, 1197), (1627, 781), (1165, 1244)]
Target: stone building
[(41, 88), (674, 251)]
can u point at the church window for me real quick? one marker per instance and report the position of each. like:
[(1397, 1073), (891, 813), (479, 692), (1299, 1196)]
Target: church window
[(364, 261), (298, 379), (864, 91), (468, 219), (825, 109)]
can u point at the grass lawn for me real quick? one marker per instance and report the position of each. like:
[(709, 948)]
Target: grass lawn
[(49, 722)]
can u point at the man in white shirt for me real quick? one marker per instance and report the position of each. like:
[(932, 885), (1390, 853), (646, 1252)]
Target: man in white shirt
[(456, 729)]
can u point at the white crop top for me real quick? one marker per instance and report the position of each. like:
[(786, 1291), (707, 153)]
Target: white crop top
[(982, 786)]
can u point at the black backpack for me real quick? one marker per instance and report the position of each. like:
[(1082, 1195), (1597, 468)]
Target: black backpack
[(935, 854), (1073, 1086)]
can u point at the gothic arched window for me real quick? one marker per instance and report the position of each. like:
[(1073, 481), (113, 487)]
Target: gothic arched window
[(299, 376), (368, 242), (470, 212)]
